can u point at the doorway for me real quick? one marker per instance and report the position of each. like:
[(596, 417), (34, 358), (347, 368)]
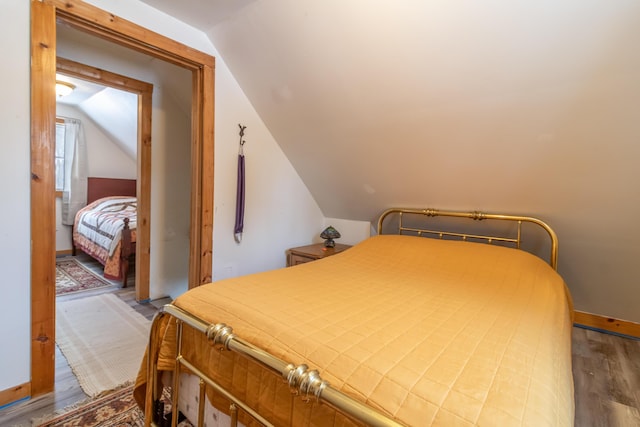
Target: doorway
[(87, 18), (144, 92)]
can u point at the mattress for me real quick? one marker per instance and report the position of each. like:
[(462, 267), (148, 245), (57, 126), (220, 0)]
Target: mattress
[(429, 332)]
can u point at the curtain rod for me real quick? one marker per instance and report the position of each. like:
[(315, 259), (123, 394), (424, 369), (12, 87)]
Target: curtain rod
[(71, 119)]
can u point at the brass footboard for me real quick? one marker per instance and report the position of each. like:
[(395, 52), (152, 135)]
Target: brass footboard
[(304, 382)]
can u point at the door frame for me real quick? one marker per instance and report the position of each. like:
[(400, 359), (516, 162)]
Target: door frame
[(45, 14), (144, 92)]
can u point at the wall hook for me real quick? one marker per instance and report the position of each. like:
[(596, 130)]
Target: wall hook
[(242, 141), (242, 128)]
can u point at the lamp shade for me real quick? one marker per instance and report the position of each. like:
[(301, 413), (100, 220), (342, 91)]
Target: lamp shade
[(329, 234), (63, 88)]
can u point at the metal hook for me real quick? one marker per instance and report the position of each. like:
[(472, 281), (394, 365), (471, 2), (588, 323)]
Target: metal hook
[(242, 128), (242, 141)]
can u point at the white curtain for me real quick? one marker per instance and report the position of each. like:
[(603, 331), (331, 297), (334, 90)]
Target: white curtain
[(74, 194)]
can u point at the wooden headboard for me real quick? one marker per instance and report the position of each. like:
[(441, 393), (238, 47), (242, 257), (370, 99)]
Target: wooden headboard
[(98, 188)]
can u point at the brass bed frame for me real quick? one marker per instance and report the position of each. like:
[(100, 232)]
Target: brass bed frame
[(305, 382), (478, 216)]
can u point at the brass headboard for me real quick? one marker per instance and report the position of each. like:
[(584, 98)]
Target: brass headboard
[(515, 240)]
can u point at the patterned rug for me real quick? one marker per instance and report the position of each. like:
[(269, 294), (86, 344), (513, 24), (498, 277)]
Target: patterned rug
[(115, 409), (71, 276)]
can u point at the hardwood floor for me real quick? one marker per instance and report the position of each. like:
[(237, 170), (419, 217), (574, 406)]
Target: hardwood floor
[(67, 389), (606, 374), (606, 371)]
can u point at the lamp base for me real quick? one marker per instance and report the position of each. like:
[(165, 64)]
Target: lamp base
[(329, 243)]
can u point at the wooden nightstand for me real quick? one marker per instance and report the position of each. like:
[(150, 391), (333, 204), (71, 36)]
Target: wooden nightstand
[(313, 252)]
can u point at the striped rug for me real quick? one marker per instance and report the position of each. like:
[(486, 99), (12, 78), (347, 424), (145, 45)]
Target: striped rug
[(103, 340)]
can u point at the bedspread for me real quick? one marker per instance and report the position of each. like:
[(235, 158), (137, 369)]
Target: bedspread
[(430, 332), (98, 230)]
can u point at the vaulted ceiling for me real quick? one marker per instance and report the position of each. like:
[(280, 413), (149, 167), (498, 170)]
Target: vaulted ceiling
[(493, 105)]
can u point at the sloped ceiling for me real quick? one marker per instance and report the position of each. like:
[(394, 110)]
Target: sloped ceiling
[(115, 112), (527, 107), (460, 104)]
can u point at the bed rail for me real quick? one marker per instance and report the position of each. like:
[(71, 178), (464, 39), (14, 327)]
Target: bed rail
[(478, 216), (304, 382)]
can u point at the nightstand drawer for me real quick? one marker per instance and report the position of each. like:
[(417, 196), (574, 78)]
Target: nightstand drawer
[(309, 253), (295, 259)]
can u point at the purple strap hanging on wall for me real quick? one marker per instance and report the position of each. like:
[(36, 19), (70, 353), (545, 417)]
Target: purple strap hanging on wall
[(239, 226)]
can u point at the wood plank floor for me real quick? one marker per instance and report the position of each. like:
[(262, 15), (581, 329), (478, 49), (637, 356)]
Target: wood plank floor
[(67, 389), (606, 370), (606, 374)]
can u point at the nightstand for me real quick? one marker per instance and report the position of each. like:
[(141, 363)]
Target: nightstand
[(313, 252)]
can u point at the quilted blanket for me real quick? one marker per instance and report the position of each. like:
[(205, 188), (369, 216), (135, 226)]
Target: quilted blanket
[(429, 332), (98, 230)]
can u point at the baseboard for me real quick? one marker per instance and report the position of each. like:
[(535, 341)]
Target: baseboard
[(14, 394), (617, 326), (64, 252)]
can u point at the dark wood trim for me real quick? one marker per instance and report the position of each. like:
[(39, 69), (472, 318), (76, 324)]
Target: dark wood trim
[(103, 77), (98, 188), (14, 394), (202, 163), (617, 326), (88, 18), (143, 193), (43, 248)]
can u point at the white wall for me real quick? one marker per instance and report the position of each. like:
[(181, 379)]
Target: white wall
[(105, 160), (170, 152), (170, 196), (351, 232), (521, 107), (279, 213), (15, 318)]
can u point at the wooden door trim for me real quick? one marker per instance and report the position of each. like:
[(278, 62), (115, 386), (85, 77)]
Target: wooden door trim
[(144, 91), (43, 242), (90, 19)]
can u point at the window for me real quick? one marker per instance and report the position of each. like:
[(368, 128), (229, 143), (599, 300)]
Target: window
[(59, 154)]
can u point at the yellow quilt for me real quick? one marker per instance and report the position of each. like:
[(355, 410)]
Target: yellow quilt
[(430, 332)]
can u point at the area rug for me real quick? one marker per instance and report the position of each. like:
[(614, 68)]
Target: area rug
[(72, 276), (114, 409), (103, 340)]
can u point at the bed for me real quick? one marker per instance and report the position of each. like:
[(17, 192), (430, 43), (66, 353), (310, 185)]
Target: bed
[(397, 330), (105, 228)]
